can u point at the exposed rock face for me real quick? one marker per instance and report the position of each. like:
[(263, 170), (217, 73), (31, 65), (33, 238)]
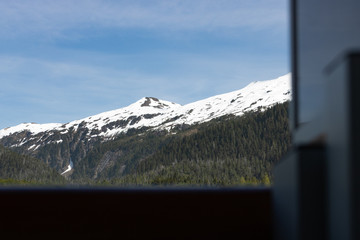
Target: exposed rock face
[(107, 161)]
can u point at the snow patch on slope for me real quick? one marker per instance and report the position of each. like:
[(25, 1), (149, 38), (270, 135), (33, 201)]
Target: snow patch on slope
[(69, 168), (255, 96), (34, 128)]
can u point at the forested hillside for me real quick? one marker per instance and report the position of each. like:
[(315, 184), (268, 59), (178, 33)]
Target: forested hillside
[(20, 169), (226, 151)]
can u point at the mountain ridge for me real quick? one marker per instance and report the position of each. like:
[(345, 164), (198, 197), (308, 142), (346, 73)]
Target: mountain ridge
[(156, 114), (117, 142)]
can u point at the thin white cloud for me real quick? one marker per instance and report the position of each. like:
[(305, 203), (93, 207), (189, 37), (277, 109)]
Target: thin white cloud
[(38, 80), (195, 77), (54, 18)]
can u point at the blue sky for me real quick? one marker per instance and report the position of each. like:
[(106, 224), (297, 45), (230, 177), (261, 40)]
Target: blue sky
[(65, 60)]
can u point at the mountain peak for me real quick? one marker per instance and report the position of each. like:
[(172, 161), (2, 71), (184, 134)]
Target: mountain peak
[(153, 102)]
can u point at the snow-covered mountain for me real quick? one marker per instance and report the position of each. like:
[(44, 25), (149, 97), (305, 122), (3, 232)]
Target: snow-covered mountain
[(151, 113)]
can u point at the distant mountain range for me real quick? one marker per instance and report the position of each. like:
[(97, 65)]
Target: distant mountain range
[(57, 143)]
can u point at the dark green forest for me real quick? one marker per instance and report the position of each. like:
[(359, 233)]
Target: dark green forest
[(20, 169), (227, 151)]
